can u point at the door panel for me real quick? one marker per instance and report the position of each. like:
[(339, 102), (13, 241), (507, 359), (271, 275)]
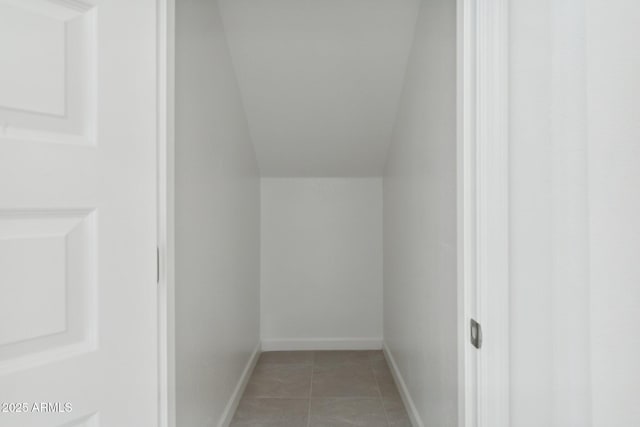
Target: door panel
[(78, 326)]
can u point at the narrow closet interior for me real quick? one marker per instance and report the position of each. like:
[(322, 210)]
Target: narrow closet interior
[(315, 211)]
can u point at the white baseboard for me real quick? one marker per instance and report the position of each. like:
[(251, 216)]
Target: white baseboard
[(322, 344), (232, 405), (416, 421)]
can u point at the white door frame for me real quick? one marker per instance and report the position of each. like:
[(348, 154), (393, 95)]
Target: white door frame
[(166, 246), (483, 213)]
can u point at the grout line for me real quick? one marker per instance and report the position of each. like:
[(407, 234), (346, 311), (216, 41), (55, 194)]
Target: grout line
[(313, 366), (386, 416), (273, 398)]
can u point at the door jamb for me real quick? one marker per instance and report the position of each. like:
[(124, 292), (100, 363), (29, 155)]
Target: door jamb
[(165, 187), (483, 213)]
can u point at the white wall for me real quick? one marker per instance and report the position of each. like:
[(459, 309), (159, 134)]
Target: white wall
[(574, 209), (613, 82), (217, 221), (321, 262), (549, 219), (420, 299), (530, 282)]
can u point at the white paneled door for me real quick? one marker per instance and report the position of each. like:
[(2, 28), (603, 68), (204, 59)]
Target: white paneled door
[(78, 326)]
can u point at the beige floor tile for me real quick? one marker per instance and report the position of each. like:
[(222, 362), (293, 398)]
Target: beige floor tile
[(384, 379), (346, 389), (375, 355), (344, 380), (347, 412), (381, 369), (292, 381), (396, 412), (327, 358), (271, 413), (286, 357)]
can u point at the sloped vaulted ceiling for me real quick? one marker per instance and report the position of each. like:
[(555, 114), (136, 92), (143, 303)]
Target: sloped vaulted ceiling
[(320, 80)]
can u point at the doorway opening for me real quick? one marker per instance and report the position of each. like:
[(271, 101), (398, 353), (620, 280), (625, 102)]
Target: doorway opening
[(335, 169)]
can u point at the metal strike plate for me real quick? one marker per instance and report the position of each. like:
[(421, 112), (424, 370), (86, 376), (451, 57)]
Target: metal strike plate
[(476, 334)]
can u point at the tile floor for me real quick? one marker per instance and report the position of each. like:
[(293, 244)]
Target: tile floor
[(321, 389)]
